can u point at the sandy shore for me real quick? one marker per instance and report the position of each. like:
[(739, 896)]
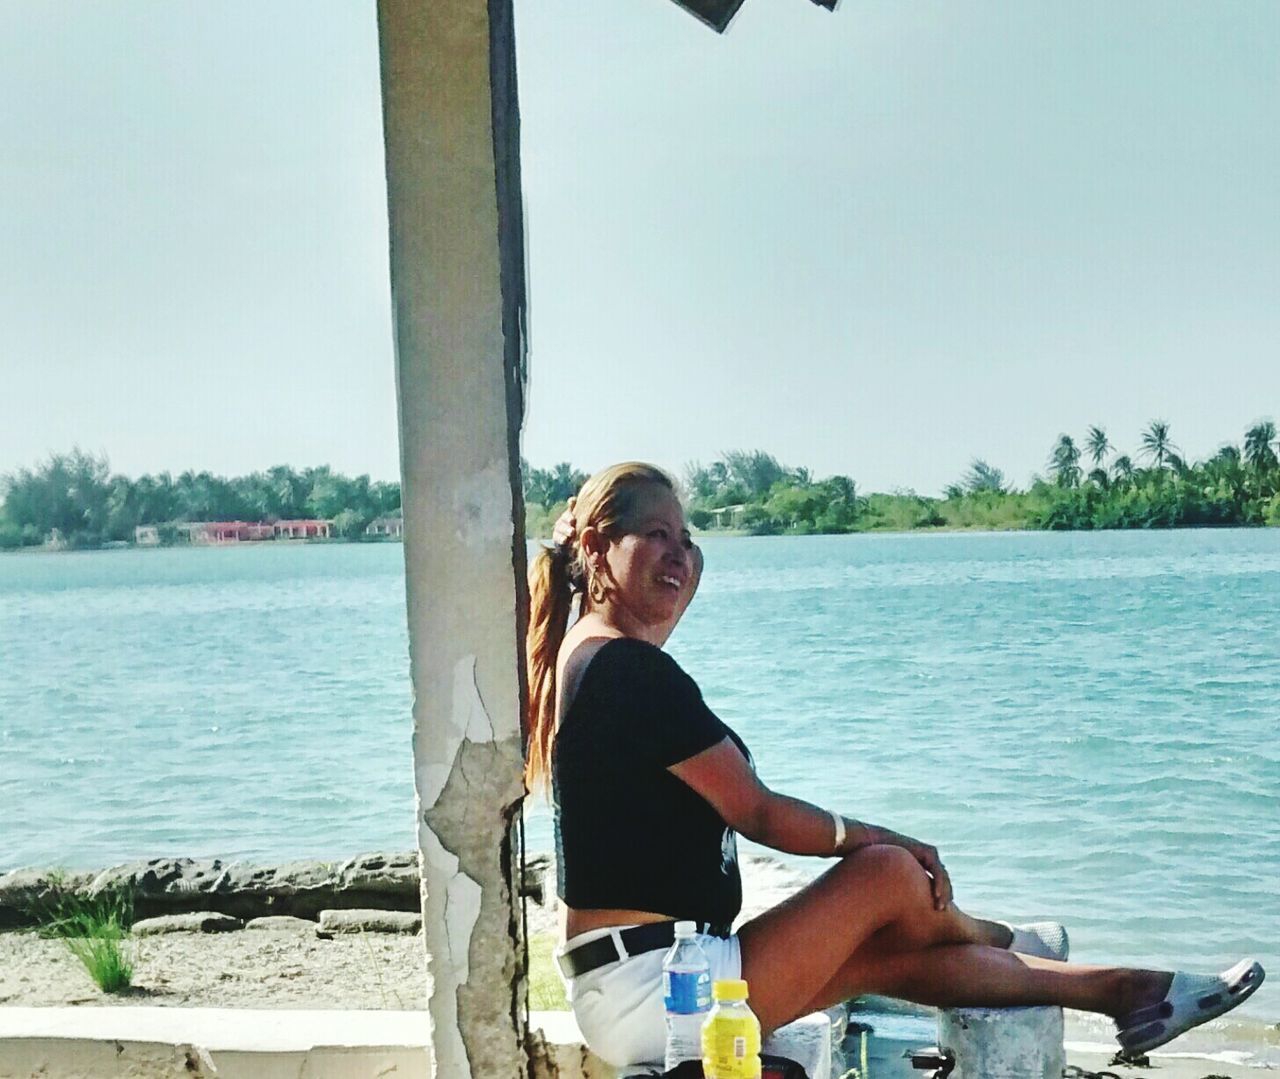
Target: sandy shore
[(226, 970), (292, 969)]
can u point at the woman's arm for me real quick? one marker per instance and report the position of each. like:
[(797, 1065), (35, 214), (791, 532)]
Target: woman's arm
[(723, 777)]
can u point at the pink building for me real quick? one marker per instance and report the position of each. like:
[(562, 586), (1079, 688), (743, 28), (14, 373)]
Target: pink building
[(227, 531)]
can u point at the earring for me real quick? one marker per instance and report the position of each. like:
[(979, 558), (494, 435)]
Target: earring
[(597, 589)]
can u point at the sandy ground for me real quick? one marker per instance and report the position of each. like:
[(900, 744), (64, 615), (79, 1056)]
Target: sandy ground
[(226, 970)]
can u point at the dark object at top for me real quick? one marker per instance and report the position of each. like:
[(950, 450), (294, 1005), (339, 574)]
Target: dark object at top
[(717, 14), (938, 1062)]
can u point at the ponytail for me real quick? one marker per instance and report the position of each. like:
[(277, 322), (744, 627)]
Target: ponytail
[(550, 597)]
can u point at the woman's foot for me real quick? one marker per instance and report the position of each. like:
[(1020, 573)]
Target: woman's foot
[(1187, 1001), (1044, 940)]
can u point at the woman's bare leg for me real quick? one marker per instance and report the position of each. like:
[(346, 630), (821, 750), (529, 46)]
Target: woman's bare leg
[(868, 925), (954, 975)]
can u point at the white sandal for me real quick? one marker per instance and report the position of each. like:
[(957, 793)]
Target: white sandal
[(1192, 999)]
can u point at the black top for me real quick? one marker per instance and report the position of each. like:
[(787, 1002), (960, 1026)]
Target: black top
[(629, 834)]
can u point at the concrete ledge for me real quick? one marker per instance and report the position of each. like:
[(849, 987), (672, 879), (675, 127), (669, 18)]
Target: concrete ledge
[(242, 1043), (96, 1043)]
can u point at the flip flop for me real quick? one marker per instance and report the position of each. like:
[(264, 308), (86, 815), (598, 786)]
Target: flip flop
[(1044, 940), (1192, 999)]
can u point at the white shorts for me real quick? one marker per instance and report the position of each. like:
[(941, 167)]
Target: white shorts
[(619, 1006)]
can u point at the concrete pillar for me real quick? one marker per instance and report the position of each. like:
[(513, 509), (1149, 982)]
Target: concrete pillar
[(1004, 1043), (457, 283)]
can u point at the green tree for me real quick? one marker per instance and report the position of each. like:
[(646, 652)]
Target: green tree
[(700, 519), (1156, 445), (331, 494), (548, 487), (983, 477), (793, 506), (1258, 450), (67, 494), (753, 470), (350, 524), (1064, 462), (1098, 445)]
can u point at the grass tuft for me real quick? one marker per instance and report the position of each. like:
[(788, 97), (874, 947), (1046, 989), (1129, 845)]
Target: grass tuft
[(546, 990), (94, 929)]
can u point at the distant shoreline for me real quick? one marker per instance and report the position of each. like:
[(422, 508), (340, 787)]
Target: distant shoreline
[(716, 533)]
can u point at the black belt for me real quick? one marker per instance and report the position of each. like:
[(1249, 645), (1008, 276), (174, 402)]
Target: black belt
[(635, 941)]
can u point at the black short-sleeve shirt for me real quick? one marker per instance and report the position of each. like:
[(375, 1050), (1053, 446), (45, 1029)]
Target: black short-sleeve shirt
[(629, 834)]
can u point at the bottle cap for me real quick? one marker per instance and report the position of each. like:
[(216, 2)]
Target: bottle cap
[(729, 989), (686, 929)]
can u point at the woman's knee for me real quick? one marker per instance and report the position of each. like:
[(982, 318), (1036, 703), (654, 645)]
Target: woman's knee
[(893, 873)]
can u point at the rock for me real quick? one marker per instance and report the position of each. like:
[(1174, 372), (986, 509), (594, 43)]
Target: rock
[(301, 889), (28, 896), (374, 874), (281, 923), (335, 922), (205, 922), (533, 881)]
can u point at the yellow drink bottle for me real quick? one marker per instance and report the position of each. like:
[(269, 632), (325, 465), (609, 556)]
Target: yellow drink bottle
[(731, 1034)]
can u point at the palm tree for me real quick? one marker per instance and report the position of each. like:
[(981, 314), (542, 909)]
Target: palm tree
[(1098, 445), (1257, 446), (1155, 443), (566, 481), (1122, 468), (1064, 462), (1227, 479)]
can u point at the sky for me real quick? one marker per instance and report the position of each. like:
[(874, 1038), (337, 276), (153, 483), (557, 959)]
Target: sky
[(879, 242)]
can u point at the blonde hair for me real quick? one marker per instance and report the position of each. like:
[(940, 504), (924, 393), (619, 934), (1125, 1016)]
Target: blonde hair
[(606, 500)]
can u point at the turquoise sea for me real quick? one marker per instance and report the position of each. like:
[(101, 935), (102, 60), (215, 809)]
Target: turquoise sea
[(1085, 724)]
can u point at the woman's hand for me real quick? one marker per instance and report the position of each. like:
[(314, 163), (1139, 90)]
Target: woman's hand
[(565, 529), (928, 858)]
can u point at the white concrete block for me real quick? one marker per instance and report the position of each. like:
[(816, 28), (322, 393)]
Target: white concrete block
[(807, 1041), (1003, 1043)]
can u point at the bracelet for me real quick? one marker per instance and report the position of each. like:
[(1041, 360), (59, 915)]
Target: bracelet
[(838, 821)]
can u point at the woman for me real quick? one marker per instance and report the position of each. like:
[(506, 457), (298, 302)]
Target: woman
[(650, 790)]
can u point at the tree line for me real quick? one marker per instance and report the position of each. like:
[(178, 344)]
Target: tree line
[(1088, 484), (1237, 485), (77, 497)]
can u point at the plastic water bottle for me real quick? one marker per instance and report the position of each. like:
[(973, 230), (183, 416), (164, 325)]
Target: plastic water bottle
[(686, 991)]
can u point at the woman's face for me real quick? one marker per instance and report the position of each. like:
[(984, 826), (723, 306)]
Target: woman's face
[(650, 564)]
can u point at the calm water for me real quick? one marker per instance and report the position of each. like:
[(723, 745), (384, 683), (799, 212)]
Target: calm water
[(1086, 725)]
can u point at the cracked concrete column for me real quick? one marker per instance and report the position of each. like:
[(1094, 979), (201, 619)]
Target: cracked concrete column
[(457, 282)]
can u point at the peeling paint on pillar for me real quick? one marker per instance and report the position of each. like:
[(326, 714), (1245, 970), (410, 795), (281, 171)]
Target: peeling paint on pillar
[(457, 279)]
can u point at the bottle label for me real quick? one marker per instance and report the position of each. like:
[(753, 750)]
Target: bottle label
[(684, 1039), (731, 1047), (686, 991)]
